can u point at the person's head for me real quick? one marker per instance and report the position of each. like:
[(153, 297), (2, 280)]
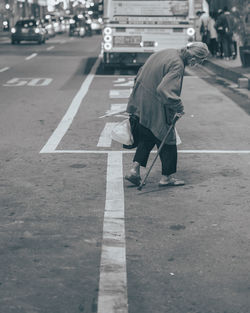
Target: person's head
[(220, 12), (195, 53), (225, 9), (199, 13)]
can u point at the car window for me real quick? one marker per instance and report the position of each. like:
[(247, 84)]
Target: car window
[(27, 24)]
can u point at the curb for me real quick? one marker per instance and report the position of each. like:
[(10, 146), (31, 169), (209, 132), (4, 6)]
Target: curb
[(242, 80)]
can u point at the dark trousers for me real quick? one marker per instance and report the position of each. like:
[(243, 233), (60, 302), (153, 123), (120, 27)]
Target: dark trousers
[(147, 141)]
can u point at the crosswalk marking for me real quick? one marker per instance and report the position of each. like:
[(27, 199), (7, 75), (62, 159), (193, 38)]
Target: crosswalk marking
[(105, 139), (120, 93), (115, 108)]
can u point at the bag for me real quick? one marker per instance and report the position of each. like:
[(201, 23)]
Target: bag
[(134, 124), (122, 133)]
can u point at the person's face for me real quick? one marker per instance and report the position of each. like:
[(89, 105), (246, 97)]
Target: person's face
[(194, 61)]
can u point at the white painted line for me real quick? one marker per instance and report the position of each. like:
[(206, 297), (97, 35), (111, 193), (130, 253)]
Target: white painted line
[(112, 297), (66, 121), (4, 69), (124, 82), (115, 108), (154, 151), (216, 151), (31, 56), (119, 93), (105, 76), (50, 48), (105, 139)]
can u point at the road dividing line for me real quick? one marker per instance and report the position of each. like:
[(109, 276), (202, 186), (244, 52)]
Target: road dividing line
[(112, 297), (66, 121), (4, 69), (50, 48), (105, 139), (31, 56)]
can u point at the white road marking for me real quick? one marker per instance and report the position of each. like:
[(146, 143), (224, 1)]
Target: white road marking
[(112, 297), (31, 56), (4, 69), (66, 121), (28, 81), (105, 139), (50, 48), (115, 108), (124, 82), (119, 93), (154, 151)]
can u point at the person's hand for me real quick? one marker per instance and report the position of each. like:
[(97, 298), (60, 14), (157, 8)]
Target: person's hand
[(177, 116)]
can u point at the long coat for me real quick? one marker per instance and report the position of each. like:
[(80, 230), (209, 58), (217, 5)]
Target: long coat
[(155, 97)]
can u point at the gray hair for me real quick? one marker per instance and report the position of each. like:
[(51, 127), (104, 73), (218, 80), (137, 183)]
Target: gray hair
[(197, 49)]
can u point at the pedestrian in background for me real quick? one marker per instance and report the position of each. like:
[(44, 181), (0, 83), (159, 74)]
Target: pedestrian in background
[(213, 43), (205, 34), (197, 25), (219, 30), (155, 100), (225, 23)]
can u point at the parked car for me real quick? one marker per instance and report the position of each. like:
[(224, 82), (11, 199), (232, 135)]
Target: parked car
[(28, 30)]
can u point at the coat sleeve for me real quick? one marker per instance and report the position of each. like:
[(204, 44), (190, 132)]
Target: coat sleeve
[(169, 89)]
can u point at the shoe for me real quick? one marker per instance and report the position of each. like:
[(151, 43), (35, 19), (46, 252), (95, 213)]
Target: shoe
[(171, 181), (134, 179)]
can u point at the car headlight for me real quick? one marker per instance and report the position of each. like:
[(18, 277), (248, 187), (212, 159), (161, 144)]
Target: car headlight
[(107, 30), (107, 46), (190, 31), (13, 30)]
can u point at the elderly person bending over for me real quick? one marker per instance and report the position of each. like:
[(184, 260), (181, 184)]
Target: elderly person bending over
[(155, 100)]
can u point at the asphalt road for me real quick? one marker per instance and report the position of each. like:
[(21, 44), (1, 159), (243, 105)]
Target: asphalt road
[(75, 237)]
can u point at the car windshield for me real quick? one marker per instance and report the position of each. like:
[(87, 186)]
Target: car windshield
[(27, 24)]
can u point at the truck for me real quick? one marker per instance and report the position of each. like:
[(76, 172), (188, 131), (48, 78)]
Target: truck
[(134, 29)]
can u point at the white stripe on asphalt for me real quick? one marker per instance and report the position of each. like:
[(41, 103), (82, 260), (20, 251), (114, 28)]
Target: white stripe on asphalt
[(66, 121), (133, 151), (50, 48), (4, 69), (31, 56), (105, 139), (112, 297)]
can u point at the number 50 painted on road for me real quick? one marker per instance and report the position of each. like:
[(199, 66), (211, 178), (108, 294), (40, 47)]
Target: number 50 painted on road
[(28, 81)]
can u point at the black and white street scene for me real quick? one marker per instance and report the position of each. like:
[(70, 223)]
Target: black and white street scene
[(124, 156)]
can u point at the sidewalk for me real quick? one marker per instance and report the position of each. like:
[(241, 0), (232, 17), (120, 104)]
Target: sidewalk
[(4, 36), (231, 70)]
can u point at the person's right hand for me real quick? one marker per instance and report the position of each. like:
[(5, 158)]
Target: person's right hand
[(177, 116)]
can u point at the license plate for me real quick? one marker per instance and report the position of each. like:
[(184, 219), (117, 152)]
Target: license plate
[(127, 41), (148, 43), (25, 30)]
